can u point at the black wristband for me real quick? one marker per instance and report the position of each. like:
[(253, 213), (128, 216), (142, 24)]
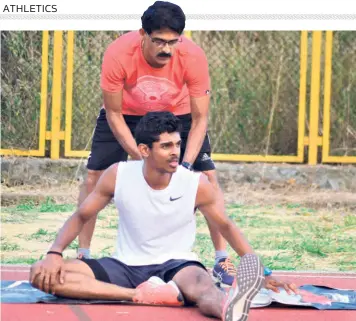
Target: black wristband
[(187, 166), (55, 252)]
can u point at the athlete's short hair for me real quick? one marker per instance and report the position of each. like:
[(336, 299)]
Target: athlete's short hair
[(154, 124), (163, 14)]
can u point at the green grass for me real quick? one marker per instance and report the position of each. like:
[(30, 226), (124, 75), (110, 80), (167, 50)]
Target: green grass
[(8, 246), (300, 240), (17, 217), (41, 235), (51, 206), (19, 260), (74, 245), (287, 237), (350, 221), (48, 206)]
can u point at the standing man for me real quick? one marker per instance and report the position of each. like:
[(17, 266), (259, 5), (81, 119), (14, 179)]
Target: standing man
[(155, 69)]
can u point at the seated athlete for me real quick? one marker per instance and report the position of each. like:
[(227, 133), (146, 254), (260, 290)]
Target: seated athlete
[(154, 263)]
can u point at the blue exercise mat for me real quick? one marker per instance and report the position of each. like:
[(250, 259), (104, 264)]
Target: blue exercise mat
[(310, 296)]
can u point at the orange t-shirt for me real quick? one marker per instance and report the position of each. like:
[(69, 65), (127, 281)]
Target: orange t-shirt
[(154, 89)]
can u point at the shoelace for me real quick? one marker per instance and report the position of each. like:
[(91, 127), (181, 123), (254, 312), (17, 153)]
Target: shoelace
[(228, 267)]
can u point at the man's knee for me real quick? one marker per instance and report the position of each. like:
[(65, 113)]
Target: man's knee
[(198, 288), (194, 282), (199, 291), (91, 179), (70, 266)]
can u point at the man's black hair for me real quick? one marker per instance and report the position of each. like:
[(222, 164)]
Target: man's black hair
[(153, 124), (163, 14)]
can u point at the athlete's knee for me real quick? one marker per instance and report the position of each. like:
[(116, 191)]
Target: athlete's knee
[(202, 291), (69, 266), (91, 179), (193, 282)]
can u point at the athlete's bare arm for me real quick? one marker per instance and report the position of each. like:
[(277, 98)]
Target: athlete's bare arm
[(117, 123), (200, 112), (208, 204), (96, 201)]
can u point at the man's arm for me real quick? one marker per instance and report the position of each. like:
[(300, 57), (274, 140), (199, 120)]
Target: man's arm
[(198, 82), (207, 203), (112, 82), (117, 123), (92, 205), (200, 113)]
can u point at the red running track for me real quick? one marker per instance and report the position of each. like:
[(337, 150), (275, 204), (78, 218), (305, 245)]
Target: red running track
[(54, 312)]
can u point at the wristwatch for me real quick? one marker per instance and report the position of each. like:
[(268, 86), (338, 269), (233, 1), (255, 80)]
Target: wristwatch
[(267, 271), (187, 165)]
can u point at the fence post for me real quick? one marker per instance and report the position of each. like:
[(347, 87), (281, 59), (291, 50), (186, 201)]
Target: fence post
[(188, 34), (56, 94), (44, 88), (69, 93), (302, 93), (327, 95), (314, 98)]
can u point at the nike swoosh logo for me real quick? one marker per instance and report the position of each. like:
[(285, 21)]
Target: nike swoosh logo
[(174, 199)]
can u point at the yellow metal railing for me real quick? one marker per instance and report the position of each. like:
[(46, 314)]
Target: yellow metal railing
[(313, 141), (56, 94), (68, 152), (314, 98)]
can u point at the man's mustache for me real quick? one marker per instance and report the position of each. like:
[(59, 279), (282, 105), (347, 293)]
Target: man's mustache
[(164, 55)]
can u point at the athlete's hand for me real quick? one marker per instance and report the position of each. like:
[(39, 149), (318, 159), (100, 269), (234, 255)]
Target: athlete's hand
[(46, 274), (273, 284)]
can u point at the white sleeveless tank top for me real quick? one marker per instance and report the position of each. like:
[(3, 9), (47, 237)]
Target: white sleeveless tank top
[(155, 225)]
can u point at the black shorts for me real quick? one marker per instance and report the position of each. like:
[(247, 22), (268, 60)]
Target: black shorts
[(112, 271), (106, 150)]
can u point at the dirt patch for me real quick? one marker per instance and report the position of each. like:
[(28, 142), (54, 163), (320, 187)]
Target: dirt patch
[(244, 194), (315, 198)]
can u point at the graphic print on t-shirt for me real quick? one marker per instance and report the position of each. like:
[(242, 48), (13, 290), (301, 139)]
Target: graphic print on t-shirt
[(153, 93)]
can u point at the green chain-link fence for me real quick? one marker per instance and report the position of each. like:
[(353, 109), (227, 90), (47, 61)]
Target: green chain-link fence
[(255, 78), (343, 95), (20, 88), (255, 81)]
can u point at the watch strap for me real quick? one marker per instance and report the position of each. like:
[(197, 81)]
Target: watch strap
[(187, 165)]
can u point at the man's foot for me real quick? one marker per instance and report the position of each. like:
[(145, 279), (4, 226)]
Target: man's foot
[(248, 281), (157, 292), (224, 272)]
